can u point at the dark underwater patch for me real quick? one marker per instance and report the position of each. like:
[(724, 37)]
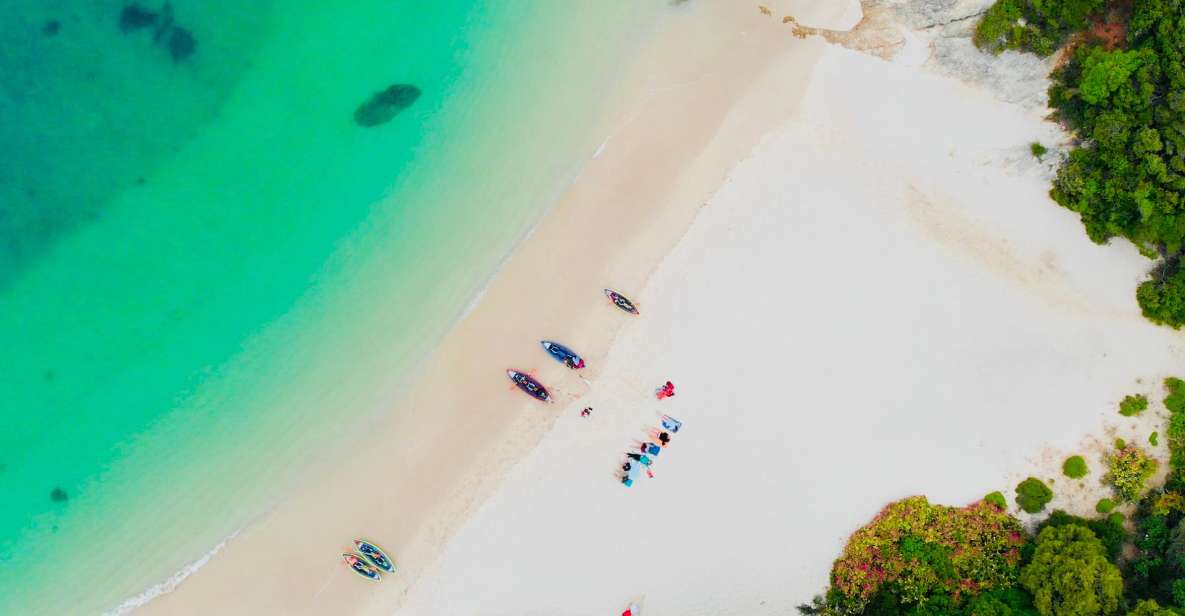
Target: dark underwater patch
[(385, 105)]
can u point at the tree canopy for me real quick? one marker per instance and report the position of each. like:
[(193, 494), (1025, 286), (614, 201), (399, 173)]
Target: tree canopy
[(1070, 575)]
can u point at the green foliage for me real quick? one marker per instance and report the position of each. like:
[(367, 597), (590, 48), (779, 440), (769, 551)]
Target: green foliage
[(1175, 403), (1006, 602), (1039, 26), (1127, 179), (1112, 534), (1070, 574), (1120, 443), (1133, 405), (1075, 467), (1116, 518), (1032, 495), (1037, 149), (1105, 505), (997, 499), (1154, 438), (1130, 470), (1127, 107), (926, 556), (1150, 607)]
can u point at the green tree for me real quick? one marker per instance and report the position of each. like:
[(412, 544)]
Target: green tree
[(1104, 72), (1151, 608), (1070, 575)]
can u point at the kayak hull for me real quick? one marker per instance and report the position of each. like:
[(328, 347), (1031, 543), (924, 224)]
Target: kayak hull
[(529, 385), (621, 301), (375, 555), (359, 565), (563, 354)]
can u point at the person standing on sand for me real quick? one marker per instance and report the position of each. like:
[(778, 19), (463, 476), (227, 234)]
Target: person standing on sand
[(586, 412), (666, 391)]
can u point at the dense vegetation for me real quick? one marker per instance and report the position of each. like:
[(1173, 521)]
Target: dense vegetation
[(1039, 26), (1123, 95), (919, 559), (915, 553)]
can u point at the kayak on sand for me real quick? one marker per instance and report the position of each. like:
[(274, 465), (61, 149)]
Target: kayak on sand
[(621, 301), (528, 384), (563, 354)]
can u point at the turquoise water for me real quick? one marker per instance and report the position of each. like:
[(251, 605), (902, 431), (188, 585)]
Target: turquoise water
[(208, 268)]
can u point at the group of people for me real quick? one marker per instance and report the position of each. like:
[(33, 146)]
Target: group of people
[(640, 460)]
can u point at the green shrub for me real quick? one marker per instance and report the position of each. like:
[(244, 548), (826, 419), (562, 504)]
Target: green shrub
[(1154, 439), (1120, 443), (916, 553), (1116, 518), (997, 499), (1105, 505), (1149, 607), (1032, 495), (1175, 403), (1074, 467), (1130, 470), (1037, 149), (1133, 405), (1039, 26), (1071, 575)]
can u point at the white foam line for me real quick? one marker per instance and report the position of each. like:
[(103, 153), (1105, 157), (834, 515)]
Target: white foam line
[(169, 584)]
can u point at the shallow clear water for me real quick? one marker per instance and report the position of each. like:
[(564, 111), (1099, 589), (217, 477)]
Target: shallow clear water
[(208, 268)]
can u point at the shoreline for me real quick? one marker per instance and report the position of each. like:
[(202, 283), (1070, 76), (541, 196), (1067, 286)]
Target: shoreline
[(450, 453)]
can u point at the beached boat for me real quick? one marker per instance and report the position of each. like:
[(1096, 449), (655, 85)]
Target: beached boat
[(528, 384), (375, 555), (621, 301), (360, 566), (563, 354)]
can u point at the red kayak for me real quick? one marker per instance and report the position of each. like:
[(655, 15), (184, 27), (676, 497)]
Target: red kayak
[(533, 388), (621, 301)]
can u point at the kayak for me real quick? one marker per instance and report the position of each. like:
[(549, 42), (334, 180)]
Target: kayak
[(563, 354), (622, 301), (375, 555), (528, 384), (361, 567)]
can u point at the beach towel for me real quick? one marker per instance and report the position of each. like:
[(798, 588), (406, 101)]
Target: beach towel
[(671, 424)]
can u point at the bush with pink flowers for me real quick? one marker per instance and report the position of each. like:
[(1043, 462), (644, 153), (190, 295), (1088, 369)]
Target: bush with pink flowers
[(925, 551)]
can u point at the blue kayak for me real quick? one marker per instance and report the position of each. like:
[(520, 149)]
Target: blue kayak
[(563, 354), (375, 555)]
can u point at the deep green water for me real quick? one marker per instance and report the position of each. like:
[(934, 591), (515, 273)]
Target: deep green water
[(208, 269)]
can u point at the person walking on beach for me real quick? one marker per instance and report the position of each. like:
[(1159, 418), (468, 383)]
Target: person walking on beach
[(586, 412)]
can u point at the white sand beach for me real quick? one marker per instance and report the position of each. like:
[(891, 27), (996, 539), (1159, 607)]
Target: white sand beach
[(866, 294)]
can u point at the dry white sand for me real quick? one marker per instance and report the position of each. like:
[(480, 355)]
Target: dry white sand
[(881, 301)]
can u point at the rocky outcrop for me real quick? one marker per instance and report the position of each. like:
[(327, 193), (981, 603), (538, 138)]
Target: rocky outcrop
[(945, 27), (385, 105)]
